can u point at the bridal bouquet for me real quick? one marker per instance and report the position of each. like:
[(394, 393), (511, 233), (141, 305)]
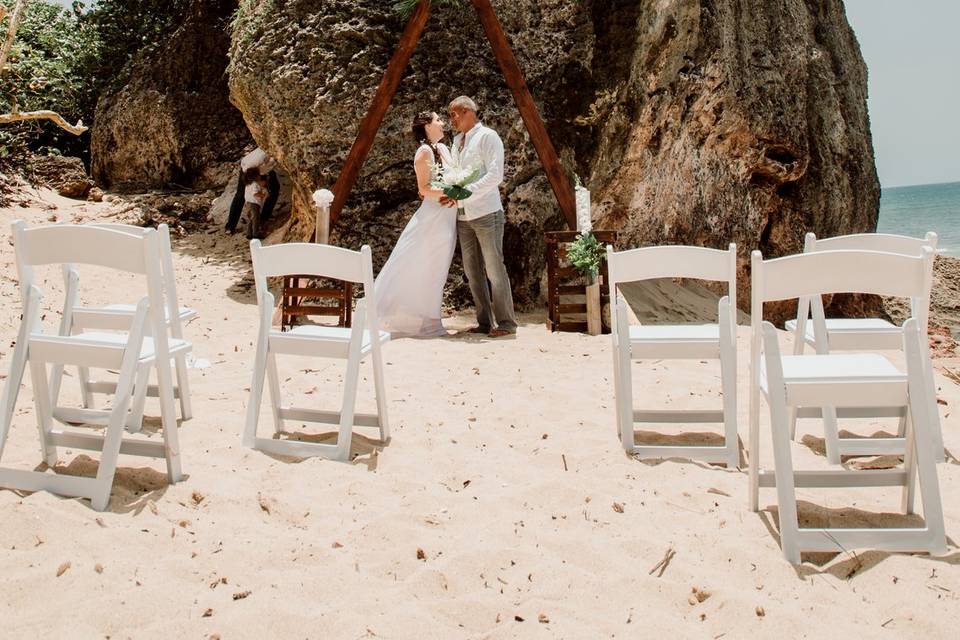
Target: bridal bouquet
[(453, 181)]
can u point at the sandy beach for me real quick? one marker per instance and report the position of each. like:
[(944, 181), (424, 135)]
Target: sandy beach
[(504, 507)]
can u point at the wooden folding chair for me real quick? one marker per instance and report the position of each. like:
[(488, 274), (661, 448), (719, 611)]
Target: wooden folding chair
[(827, 335), (117, 317), (854, 380), (713, 341), (352, 344), (144, 347)]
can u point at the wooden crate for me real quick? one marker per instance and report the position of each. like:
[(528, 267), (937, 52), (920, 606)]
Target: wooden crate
[(569, 315), (297, 289)]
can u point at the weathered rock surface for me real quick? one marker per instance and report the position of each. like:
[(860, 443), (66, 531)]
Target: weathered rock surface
[(172, 123), (693, 122), (65, 174), (944, 306)]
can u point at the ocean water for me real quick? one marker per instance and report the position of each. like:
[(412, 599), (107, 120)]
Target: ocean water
[(912, 211)]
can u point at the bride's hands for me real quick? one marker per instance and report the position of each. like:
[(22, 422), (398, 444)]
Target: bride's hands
[(448, 202)]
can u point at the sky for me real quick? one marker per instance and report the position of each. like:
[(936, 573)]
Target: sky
[(912, 51)]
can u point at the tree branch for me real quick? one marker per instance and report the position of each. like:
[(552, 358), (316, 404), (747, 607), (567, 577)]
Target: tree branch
[(16, 115), (19, 116), (12, 27)]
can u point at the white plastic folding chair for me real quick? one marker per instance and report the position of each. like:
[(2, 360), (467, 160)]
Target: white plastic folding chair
[(690, 341), (826, 335), (145, 346), (352, 344), (855, 380), (117, 317)]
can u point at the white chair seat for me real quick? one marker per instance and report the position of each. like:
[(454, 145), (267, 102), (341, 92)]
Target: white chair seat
[(878, 325), (676, 341), (50, 345), (320, 341), (331, 333), (848, 367), (673, 333), (854, 380), (185, 313), (846, 334), (147, 351)]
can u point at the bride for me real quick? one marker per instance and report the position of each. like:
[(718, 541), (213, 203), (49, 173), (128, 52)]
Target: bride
[(409, 288)]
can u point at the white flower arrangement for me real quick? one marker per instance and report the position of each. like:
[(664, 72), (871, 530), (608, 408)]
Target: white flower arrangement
[(584, 221), (323, 198), (453, 181)]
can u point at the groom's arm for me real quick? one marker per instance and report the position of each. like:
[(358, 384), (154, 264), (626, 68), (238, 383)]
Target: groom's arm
[(491, 151)]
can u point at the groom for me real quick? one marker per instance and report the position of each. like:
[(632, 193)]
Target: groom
[(480, 220)]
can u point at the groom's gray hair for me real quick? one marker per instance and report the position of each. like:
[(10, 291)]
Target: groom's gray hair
[(465, 102)]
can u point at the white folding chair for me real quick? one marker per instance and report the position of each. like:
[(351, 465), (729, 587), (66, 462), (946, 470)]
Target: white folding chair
[(145, 346), (714, 341), (117, 317), (860, 380), (352, 344), (827, 335)]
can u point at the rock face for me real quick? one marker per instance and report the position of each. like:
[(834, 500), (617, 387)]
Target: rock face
[(172, 123), (64, 173), (698, 122)]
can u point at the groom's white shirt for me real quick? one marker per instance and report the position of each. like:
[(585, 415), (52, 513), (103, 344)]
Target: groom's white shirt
[(482, 148)]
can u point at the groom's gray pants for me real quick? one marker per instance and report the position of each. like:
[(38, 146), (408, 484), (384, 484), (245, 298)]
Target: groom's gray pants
[(481, 243)]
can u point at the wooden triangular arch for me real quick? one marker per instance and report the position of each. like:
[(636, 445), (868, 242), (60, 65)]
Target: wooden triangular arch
[(388, 89)]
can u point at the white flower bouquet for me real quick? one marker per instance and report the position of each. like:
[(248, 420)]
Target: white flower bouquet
[(453, 181)]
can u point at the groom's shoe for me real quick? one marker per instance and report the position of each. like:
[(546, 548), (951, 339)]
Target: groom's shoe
[(500, 333), (479, 330)]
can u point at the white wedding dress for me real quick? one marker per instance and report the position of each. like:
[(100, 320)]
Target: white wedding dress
[(409, 288)]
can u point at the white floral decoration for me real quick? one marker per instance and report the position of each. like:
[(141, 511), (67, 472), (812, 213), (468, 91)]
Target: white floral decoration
[(323, 198)]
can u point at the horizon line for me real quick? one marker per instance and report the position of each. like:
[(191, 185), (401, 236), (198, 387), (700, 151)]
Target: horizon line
[(921, 184)]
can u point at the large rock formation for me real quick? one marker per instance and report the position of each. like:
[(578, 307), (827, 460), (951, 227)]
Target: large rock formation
[(172, 123), (701, 122)]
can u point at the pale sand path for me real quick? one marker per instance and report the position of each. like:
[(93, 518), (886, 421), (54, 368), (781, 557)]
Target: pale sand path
[(474, 477)]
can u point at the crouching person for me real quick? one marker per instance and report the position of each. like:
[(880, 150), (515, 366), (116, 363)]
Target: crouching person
[(255, 193)]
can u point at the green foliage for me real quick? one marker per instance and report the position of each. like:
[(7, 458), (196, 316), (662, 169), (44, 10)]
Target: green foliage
[(586, 254), (405, 7), (131, 27), (63, 59), (47, 69), (248, 20)]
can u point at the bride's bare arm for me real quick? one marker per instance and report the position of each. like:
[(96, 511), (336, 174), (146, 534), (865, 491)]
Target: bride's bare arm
[(422, 165)]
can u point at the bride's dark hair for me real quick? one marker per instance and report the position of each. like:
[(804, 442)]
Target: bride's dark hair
[(419, 128)]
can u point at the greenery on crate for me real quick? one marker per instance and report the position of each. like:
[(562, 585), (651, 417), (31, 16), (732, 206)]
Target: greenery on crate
[(406, 7), (586, 254)]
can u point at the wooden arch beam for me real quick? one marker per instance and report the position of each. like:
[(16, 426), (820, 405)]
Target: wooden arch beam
[(559, 181), (378, 109), (387, 89)]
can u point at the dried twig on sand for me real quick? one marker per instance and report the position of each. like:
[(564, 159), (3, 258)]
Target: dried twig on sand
[(951, 375), (664, 562)]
